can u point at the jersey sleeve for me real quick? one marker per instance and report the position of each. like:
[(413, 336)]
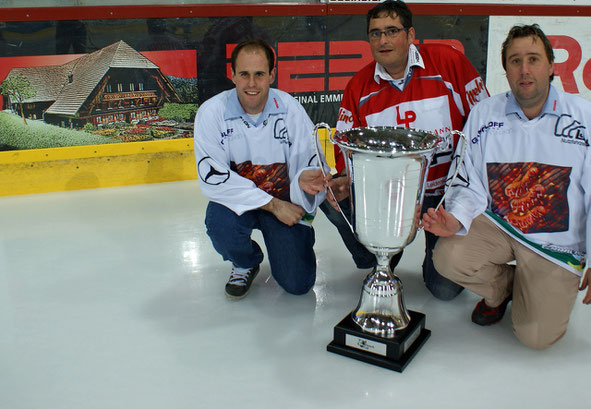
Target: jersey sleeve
[(348, 118), (471, 87), (586, 178), (468, 196), (218, 182)]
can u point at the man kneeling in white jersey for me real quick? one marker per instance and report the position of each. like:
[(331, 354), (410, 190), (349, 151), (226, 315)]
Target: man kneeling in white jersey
[(256, 165), (525, 196)]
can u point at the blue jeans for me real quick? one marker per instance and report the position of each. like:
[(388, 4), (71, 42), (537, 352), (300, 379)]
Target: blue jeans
[(439, 286), (290, 248)]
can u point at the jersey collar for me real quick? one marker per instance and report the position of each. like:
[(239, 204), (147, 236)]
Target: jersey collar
[(552, 106), (414, 60), (273, 106)]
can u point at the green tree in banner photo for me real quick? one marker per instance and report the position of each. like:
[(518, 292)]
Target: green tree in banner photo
[(18, 88)]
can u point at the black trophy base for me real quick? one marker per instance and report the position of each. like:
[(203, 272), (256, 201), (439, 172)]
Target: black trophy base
[(390, 353)]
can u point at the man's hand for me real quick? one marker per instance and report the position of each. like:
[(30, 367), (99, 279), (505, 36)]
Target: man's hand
[(440, 223), (340, 188), (286, 212), (586, 283), (312, 181)]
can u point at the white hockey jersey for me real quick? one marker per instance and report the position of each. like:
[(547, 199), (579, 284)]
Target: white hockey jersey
[(242, 164), (531, 177)]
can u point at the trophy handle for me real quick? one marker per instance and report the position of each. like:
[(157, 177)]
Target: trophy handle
[(316, 142), (463, 152)]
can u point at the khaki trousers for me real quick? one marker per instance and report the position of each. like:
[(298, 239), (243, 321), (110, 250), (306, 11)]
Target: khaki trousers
[(543, 292)]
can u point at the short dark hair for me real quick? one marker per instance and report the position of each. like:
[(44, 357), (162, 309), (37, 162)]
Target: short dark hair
[(251, 45), (520, 31), (391, 8)]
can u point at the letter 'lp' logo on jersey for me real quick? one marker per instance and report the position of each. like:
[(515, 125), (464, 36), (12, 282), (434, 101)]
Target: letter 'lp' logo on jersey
[(209, 174), (409, 117)]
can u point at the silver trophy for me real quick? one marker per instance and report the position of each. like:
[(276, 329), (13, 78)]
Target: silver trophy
[(387, 168)]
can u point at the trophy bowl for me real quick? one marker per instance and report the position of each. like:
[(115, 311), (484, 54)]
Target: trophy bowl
[(387, 167)]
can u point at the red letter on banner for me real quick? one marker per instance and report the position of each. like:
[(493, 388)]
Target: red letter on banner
[(360, 54), (587, 74), (229, 49), (288, 71), (565, 69)]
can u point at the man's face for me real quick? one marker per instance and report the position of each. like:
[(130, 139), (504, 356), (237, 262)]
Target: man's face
[(528, 73), (252, 79), (391, 53)]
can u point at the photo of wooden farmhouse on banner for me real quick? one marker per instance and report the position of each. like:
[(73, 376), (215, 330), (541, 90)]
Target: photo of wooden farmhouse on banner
[(115, 85)]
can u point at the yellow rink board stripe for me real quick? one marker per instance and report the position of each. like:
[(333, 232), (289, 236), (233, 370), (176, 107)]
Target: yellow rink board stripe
[(94, 166)]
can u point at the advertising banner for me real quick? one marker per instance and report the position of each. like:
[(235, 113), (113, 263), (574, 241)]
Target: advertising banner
[(122, 80)]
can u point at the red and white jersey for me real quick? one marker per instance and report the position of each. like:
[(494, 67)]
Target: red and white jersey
[(436, 95)]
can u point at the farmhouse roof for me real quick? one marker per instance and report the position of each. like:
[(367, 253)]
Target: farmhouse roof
[(70, 84)]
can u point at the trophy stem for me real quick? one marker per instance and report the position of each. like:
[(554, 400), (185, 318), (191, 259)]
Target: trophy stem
[(381, 309), (384, 259)]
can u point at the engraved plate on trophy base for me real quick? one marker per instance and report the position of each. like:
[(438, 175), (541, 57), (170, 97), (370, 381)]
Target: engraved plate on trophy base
[(390, 353)]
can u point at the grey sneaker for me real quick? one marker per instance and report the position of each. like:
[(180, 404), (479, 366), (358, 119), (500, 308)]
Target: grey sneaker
[(239, 283)]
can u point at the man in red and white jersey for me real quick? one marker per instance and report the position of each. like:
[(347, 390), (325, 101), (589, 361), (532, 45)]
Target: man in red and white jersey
[(431, 87)]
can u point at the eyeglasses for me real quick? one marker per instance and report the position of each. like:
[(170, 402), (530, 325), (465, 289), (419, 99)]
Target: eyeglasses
[(392, 32)]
